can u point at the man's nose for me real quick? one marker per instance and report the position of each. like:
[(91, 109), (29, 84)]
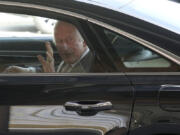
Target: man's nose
[(64, 46)]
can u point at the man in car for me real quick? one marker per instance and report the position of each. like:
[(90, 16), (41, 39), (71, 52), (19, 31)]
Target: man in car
[(71, 47)]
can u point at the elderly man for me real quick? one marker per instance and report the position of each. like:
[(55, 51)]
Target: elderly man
[(71, 47)]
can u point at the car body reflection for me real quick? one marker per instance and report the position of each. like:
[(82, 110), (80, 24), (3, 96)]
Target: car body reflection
[(56, 118)]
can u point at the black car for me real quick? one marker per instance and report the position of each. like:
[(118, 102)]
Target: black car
[(133, 87)]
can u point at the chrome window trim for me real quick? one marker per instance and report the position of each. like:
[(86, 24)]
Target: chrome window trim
[(147, 44), (153, 73), (59, 75), (87, 74)]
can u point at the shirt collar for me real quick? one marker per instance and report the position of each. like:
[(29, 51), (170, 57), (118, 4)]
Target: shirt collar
[(82, 56)]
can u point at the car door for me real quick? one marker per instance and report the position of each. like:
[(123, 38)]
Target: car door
[(98, 102), (154, 74)]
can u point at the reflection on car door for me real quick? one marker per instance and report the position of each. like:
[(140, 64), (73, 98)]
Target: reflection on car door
[(48, 94)]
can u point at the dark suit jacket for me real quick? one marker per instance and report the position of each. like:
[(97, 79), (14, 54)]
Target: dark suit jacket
[(83, 66)]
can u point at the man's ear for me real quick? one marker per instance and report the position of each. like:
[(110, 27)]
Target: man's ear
[(84, 44)]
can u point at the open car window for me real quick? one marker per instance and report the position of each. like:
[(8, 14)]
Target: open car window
[(33, 44)]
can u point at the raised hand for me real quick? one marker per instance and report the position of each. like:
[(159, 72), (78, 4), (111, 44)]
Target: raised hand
[(48, 64)]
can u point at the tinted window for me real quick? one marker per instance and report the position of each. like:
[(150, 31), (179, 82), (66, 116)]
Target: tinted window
[(133, 56)]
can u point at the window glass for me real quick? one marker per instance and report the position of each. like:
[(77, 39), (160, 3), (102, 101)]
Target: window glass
[(133, 55)]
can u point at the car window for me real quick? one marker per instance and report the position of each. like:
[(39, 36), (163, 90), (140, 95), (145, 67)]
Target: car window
[(24, 41), (33, 44), (133, 56)]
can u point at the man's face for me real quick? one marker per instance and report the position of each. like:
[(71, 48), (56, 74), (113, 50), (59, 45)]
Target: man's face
[(69, 42)]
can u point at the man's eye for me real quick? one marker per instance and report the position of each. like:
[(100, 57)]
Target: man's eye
[(69, 40), (60, 41)]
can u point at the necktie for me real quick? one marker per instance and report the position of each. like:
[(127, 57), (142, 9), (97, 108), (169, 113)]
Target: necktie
[(66, 68)]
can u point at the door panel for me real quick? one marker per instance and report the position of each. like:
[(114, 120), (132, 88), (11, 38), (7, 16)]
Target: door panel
[(38, 101)]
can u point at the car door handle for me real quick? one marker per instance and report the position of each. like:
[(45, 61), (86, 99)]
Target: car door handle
[(169, 98), (88, 108)]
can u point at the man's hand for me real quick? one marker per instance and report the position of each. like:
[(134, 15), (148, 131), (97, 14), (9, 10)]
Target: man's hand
[(17, 69), (48, 64)]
